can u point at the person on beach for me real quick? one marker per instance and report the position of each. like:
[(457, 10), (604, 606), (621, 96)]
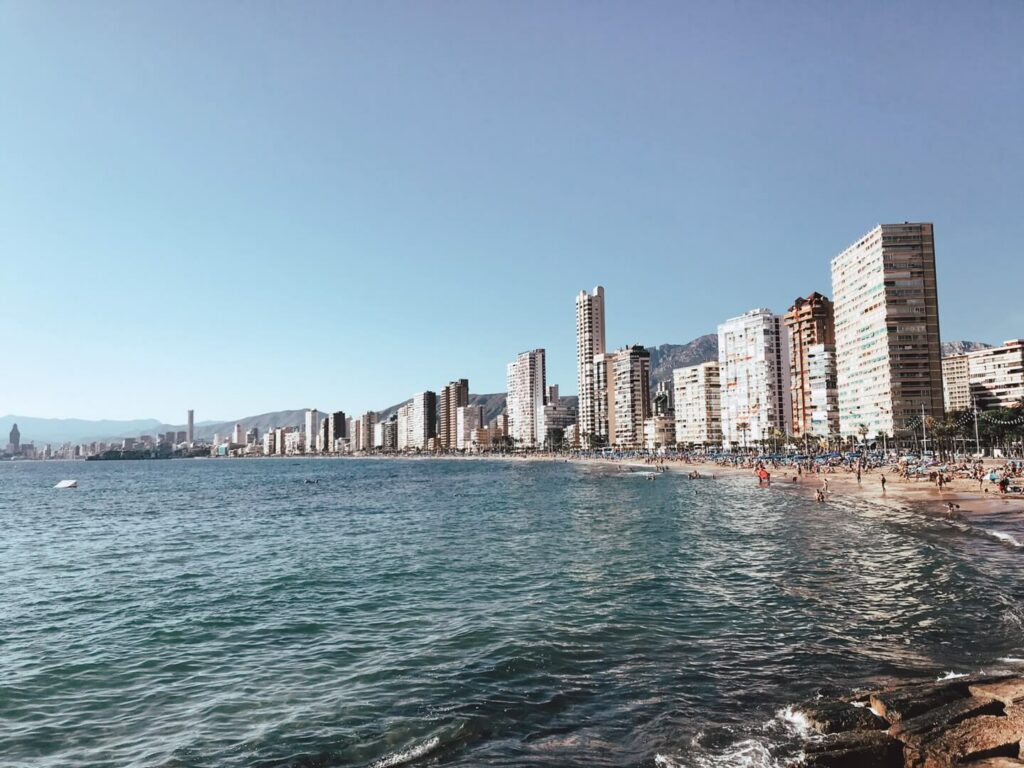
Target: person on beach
[(819, 495), (824, 484), (883, 483)]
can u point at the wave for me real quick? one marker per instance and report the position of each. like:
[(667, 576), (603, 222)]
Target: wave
[(743, 754), (408, 755), (950, 676), (1003, 536)]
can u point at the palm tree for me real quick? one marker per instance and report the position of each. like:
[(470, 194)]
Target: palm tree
[(862, 430), (743, 427)]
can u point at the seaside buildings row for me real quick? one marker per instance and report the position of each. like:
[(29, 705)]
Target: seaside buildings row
[(863, 366)]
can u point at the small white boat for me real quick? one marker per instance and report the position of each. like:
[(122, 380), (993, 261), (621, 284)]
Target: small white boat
[(67, 484)]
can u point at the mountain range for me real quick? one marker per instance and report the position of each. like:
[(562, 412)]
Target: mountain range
[(664, 358)]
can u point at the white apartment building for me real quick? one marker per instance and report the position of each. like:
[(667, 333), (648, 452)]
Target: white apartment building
[(698, 405), (888, 364), (659, 432), (989, 378), (467, 418), (526, 398), (632, 382), (312, 429), (753, 357), (590, 342), (824, 394), (422, 420)]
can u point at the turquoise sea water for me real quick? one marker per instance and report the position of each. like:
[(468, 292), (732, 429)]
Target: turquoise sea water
[(454, 613)]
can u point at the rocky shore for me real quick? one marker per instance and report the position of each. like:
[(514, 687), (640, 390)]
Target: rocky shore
[(975, 721)]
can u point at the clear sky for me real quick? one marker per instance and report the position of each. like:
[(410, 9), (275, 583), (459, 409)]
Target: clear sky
[(244, 207)]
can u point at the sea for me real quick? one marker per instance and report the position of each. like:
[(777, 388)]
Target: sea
[(343, 612)]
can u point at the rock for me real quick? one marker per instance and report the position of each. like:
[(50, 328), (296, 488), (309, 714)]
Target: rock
[(1007, 691), (912, 700), (985, 736), (831, 716), (998, 762), (867, 749), (915, 731)]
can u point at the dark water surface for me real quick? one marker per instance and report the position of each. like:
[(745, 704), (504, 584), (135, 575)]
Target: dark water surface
[(226, 613)]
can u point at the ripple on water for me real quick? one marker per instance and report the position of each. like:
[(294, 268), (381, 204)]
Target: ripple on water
[(226, 613)]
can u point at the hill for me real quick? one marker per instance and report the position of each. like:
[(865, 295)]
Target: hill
[(950, 348), (667, 357)]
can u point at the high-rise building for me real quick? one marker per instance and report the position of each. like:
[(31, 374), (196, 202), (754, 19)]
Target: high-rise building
[(590, 343), (454, 396), (336, 430), (238, 435), (888, 363), (180, 437), (557, 418), (526, 398), (810, 323), (631, 378), (190, 434), (355, 435), (403, 428), (662, 402), (367, 435), (422, 419), (312, 429), (753, 357), (956, 383), (15, 439), (467, 418), (986, 378), (698, 405), (823, 393)]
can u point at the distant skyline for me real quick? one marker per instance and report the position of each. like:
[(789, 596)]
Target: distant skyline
[(248, 208)]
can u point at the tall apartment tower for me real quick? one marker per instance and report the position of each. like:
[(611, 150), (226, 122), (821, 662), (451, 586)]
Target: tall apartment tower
[(367, 424), (811, 324), (422, 419), (312, 429), (753, 357), (454, 396), (631, 373), (336, 430), (527, 393), (190, 431), (590, 343), (698, 405), (888, 359)]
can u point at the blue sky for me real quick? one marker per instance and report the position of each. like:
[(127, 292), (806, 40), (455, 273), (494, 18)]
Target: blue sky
[(244, 207)]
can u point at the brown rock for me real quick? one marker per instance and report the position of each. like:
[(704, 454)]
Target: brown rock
[(909, 701), (868, 749), (831, 716), (977, 737), (915, 731), (998, 762), (1007, 691)]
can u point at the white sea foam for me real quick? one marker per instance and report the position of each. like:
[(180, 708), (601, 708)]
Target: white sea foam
[(796, 720), (1004, 536), (1012, 660), (743, 754), (950, 676), (407, 755)]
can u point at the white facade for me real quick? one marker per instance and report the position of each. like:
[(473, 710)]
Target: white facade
[(526, 396), (824, 401), (312, 429), (659, 432), (468, 418), (238, 435), (753, 357), (698, 404), (422, 419), (888, 365), (590, 342), (996, 376)]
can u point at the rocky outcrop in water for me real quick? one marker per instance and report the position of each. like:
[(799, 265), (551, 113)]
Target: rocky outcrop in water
[(975, 721)]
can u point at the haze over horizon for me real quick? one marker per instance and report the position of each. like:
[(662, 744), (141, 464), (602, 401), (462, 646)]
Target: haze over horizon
[(340, 205)]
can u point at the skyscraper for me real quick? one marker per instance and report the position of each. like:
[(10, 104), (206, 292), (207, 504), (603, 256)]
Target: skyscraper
[(422, 419), (527, 392), (753, 357), (367, 427), (238, 435), (15, 439), (454, 396), (336, 429), (190, 434), (312, 429), (590, 342), (888, 360), (632, 381), (810, 323), (698, 405)]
